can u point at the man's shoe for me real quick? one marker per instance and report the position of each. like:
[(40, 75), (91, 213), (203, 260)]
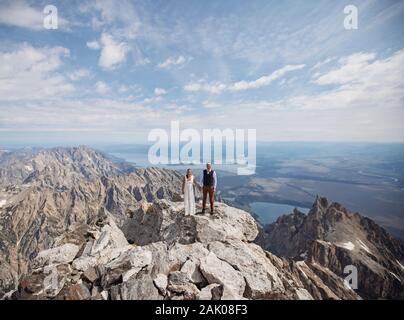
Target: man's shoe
[(203, 211), (212, 212)]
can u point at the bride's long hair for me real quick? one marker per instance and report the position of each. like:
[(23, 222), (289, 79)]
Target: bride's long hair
[(189, 173)]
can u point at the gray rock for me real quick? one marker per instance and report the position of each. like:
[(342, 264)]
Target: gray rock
[(100, 258), (87, 248), (191, 269), (78, 292), (165, 221), (231, 223), (178, 283), (54, 281), (110, 236), (90, 275), (136, 289), (211, 292), (218, 271), (303, 294), (180, 253), (161, 282), (261, 276), (104, 294), (58, 255)]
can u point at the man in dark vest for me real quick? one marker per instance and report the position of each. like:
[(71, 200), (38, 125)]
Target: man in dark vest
[(209, 182)]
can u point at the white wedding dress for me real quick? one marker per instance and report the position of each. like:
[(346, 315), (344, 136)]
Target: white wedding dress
[(189, 196)]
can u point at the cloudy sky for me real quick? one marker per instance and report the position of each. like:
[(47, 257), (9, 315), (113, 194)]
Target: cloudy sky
[(114, 70)]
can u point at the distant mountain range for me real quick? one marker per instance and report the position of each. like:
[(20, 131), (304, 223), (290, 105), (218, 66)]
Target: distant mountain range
[(76, 225)]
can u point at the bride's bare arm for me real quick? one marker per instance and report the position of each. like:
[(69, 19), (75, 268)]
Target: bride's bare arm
[(196, 184), (183, 185)]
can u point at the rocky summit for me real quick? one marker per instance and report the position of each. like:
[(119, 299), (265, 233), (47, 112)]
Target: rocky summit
[(75, 225), (330, 238)]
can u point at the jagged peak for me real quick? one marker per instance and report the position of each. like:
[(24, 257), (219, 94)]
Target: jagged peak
[(320, 202)]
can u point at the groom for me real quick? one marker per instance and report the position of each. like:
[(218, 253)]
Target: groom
[(208, 181)]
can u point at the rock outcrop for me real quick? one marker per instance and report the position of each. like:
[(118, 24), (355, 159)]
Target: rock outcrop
[(201, 262), (330, 238)]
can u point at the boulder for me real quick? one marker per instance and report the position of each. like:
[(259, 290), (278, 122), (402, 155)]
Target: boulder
[(261, 276), (161, 282), (54, 281), (100, 258), (58, 255), (228, 224), (180, 253), (104, 295), (218, 271), (211, 292), (191, 269), (165, 221), (179, 284), (90, 275), (110, 236), (47, 283), (136, 289), (78, 291)]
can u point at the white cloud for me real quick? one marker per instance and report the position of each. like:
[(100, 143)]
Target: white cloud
[(32, 73), (217, 87), (142, 61), (76, 115), (353, 67), (152, 100), (102, 88), (173, 61), (322, 63), (119, 17), (123, 88), (113, 53), (79, 74), (359, 82), (265, 80), (214, 87), (360, 99), (159, 91), (93, 45), (211, 105), (132, 89), (174, 108), (20, 14)]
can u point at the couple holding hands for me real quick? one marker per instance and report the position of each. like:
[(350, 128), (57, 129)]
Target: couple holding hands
[(208, 183)]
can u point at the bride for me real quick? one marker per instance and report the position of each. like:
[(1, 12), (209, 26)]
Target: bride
[(188, 191)]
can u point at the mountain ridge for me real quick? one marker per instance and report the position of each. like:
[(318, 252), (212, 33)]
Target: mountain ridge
[(78, 226), (334, 237)]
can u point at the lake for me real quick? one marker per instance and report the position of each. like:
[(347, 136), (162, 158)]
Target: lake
[(268, 212)]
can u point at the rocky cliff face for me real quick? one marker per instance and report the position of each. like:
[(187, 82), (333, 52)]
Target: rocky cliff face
[(180, 257), (66, 189), (57, 167), (79, 227), (329, 238)]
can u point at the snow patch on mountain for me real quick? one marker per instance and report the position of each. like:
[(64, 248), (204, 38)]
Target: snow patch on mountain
[(364, 246), (347, 245)]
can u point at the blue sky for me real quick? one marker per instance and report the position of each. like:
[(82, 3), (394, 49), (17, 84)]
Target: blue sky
[(114, 70)]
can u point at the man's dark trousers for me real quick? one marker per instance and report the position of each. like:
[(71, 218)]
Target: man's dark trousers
[(211, 191)]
